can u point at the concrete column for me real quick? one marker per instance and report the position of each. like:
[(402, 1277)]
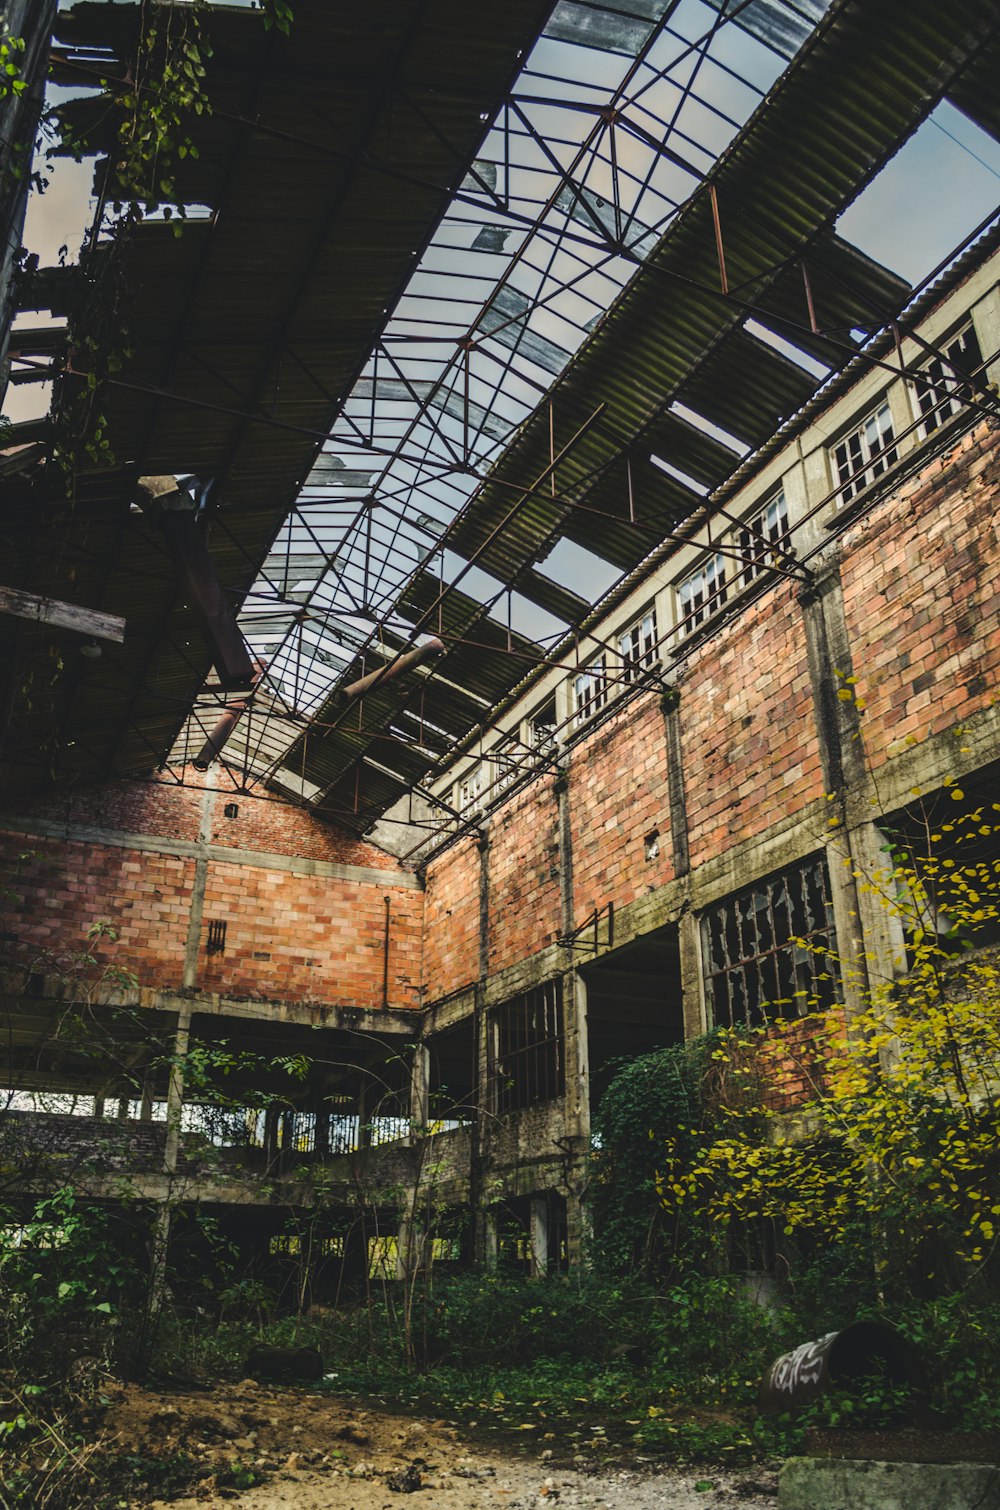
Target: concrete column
[(577, 1115), (670, 703), (696, 1013), (884, 940), (538, 1232), (420, 1091), (490, 1244), (171, 1150), (193, 944)]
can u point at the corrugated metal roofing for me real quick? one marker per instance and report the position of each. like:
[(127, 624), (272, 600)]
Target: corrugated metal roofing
[(867, 76)]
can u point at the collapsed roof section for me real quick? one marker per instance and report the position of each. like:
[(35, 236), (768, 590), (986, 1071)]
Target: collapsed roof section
[(539, 413), (406, 432), (325, 162)]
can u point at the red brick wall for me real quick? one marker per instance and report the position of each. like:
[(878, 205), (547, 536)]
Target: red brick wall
[(310, 938), (165, 810), (617, 795), (276, 828), (59, 890), (525, 907), (751, 755), (921, 580), (288, 936), (451, 921), (137, 807)]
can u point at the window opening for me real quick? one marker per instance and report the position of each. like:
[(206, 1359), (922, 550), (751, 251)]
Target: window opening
[(769, 950), (470, 790), (866, 453), (542, 726), (504, 761), (590, 690), (216, 937), (637, 646), (945, 855), (771, 524), (527, 1046), (938, 397), (702, 592), (231, 810)]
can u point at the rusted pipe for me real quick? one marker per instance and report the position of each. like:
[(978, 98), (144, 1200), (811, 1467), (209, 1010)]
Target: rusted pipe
[(385, 953), (392, 669), (226, 723)]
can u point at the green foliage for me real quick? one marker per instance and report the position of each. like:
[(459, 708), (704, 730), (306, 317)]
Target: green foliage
[(649, 1098)]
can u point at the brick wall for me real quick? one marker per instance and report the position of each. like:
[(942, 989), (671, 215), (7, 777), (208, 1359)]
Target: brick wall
[(55, 891), (750, 749), (451, 921), (617, 795), (525, 909), (922, 598), (289, 936), (309, 938)]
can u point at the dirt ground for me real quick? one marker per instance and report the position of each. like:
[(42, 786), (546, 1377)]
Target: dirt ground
[(314, 1451)]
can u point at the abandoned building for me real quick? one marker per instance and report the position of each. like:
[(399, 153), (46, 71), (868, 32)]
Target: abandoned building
[(528, 557)]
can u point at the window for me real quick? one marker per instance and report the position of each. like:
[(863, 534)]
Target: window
[(637, 646), (945, 852), (526, 1043), (702, 593), (770, 525), (470, 790), (503, 759), (865, 454), (590, 690), (542, 726), (753, 969), (939, 394)]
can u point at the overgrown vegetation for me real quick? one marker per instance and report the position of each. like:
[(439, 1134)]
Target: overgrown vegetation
[(838, 1166)]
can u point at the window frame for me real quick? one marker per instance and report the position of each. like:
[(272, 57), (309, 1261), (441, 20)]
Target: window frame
[(638, 646), (854, 474), (936, 412), (715, 598), (735, 956), (589, 689), (754, 553)]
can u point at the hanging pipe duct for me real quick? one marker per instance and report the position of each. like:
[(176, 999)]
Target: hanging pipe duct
[(226, 723), (392, 669)]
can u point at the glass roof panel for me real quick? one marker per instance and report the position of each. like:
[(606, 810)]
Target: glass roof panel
[(616, 116)]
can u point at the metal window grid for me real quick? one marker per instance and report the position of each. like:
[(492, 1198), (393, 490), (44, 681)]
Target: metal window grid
[(769, 950), (527, 1049)]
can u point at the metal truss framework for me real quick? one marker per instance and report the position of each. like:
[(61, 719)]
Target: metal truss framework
[(610, 131)]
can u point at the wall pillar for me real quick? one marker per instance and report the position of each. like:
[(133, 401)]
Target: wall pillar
[(692, 975), (538, 1232), (171, 1152)]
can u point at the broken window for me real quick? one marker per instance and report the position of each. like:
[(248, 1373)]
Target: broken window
[(590, 690), (637, 646), (770, 526), (526, 1044), (702, 592), (939, 393), (865, 454), (470, 790), (944, 852), (542, 726), (769, 951), (503, 759)]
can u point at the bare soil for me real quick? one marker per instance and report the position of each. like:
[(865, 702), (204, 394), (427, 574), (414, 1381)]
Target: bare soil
[(314, 1451)]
